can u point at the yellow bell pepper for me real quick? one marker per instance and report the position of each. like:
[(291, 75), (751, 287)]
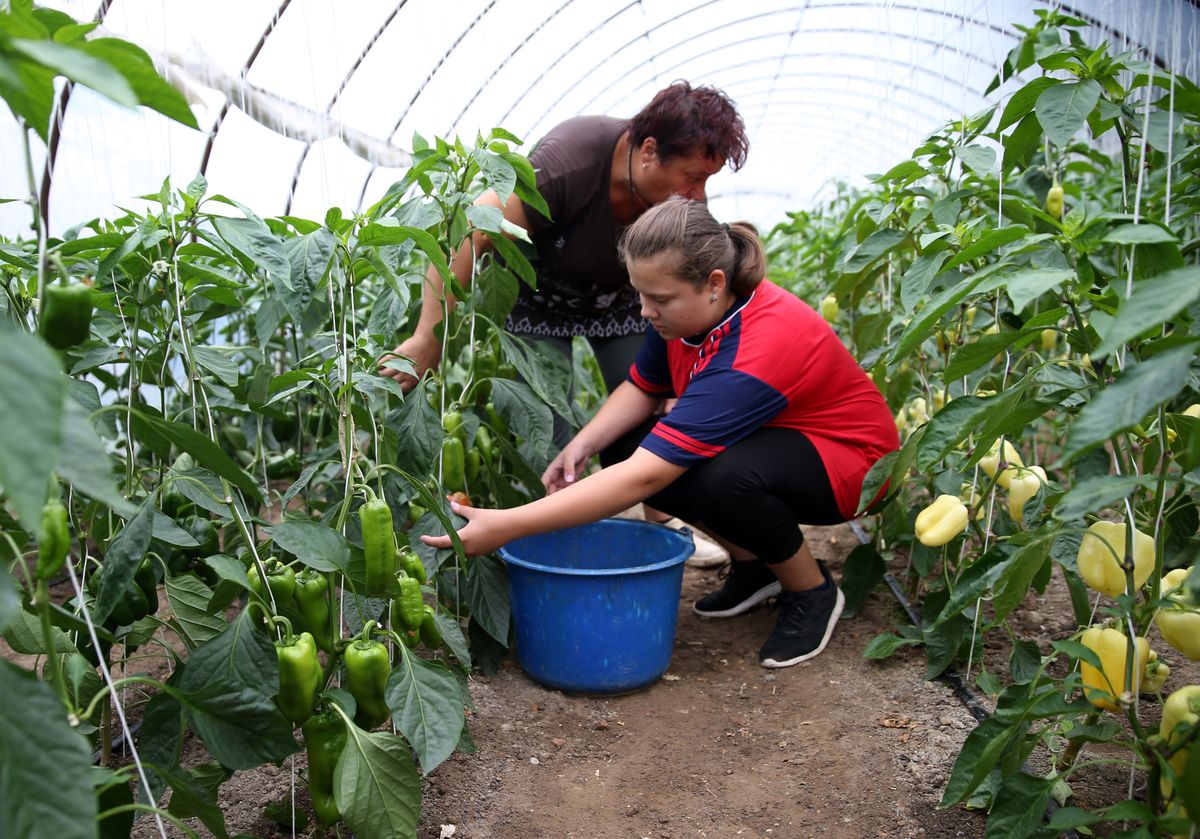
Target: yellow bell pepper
[(1155, 676), (918, 411), (830, 308), (990, 462), (1101, 569), (1022, 485), (1104, 686), (941, 521), (1180, 623), (1181, 709), (1049, 339)]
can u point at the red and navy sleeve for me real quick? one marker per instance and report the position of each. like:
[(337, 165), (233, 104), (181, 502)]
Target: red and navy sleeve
[(719, 408), (651, 371)]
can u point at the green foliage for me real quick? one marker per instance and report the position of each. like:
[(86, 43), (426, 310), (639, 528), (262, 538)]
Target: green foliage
[(981, 316)]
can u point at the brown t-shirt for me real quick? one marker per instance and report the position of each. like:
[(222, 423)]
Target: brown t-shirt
[(583, 289)]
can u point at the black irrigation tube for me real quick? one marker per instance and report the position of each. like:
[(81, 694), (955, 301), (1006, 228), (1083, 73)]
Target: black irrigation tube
[(120, 741), (951, 676)]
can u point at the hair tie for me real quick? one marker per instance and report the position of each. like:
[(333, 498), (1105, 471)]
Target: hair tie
[(726, 226)]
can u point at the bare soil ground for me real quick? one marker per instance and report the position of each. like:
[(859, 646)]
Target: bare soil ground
[(720, 747), (838, 748)]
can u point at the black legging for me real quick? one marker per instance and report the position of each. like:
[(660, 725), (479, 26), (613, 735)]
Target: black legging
[(755, 494)]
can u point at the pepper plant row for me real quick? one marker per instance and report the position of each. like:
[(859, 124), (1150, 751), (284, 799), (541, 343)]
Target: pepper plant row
[(205, 473), (1024, 291)]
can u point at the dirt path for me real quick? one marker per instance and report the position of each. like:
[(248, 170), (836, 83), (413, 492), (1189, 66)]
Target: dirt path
[(721, 747)]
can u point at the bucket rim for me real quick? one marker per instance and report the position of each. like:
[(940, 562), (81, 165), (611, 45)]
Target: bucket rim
[(679, 559)]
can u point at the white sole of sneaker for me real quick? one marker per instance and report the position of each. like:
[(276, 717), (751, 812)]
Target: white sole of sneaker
[(749, 603), (833, 619)]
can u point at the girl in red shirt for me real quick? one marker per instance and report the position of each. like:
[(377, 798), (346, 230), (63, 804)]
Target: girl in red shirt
[(775, 425)]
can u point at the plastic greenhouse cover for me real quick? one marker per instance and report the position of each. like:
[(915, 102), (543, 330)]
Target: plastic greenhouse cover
[(307, 104)]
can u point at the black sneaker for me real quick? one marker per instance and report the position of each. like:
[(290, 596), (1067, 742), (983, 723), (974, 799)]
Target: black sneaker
[(746, 585), (804, 626)]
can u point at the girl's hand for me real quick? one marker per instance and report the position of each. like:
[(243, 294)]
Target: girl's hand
[(483, 533), (566, 468)]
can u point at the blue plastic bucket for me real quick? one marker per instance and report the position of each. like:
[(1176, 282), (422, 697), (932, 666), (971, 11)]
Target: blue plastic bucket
[(595, 605)]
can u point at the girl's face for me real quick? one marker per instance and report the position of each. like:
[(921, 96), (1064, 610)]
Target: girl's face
[(676, 308)]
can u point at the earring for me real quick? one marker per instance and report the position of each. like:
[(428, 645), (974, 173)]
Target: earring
[(713, 298)]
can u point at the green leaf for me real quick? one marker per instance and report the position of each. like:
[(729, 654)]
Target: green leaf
[(1189, 781), (420, 427), (980, 752), (949, 427), (426, 706), (387, 232), (873, 247), (1062, 109), (45, 787), (1155, 300), (905, 172), (1123, 404), (544, 369), (885, 644), (1013, 585), (978, 158), (189, 598), (915, 281), (24, 635), (122, 558), (148, 86), (192, 799), (1139, 234), (239, 726), (1023, 101), (218, 363), (942, 643), (376, 786), (1094, 494), (84, 462), (527, 417), (310, 256), (1021, 143), (79, 67), (862, 572), (487, 596), (254, 240), (10, 599), (1026, 286), (240, 654), (160, 741), (974, 355), (203, 449), (1019, 807), (33, 391), (877, 476), (316, 545)]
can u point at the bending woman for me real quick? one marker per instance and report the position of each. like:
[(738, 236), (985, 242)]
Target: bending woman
[(775, 426)]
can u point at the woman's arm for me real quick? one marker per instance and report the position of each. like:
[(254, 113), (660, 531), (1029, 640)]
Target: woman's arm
[(606, 492), (423, 347)]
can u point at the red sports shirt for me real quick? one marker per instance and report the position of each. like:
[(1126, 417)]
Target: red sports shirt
[(772, 361)]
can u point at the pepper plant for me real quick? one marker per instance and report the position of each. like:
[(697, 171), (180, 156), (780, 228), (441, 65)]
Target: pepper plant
[(194, 405), (1024, 290)]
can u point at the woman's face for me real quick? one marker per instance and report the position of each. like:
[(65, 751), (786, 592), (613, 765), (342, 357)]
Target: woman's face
[(684, 175), (675, 307)]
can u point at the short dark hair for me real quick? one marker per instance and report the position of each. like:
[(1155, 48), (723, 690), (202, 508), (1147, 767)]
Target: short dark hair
[(683, 119)]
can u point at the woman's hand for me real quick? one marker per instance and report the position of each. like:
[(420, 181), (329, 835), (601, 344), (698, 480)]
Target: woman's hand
[(424, 351), (565, 469), (484, 532)]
